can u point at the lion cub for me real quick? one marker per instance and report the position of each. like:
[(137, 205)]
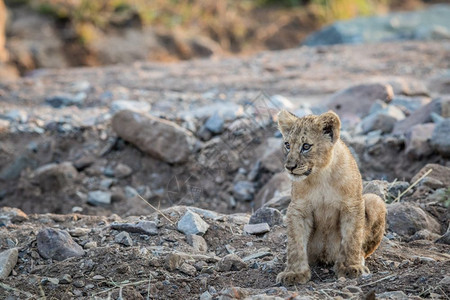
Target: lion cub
[(328, 219)]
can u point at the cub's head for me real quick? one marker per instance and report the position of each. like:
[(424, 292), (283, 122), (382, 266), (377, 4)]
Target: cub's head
[(309, 142)]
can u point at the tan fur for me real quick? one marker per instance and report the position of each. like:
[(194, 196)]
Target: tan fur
[(328, 220)]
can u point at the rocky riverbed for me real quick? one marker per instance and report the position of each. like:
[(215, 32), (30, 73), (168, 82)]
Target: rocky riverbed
[(165, 180)]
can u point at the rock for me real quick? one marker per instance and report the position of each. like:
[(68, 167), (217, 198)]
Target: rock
[(427, 24), (272, 156), (131, 105), (440, 173), (197, 242), (84, 162), (440, 84), (267, 215), (8, 260), (229, 111), (424, 234), (98, 277), (215, 123), (396, 188), (279, 202), (405, 219), (122, 171), (90, 245), (409, 104), (243, 191), (130, 192), (440, 195), (10, 215), (420, 116), (173, 261), (192, 223), (257, 228), (62, 100), (98, 198), (379, 121), (279, 185), (445, 239), (377, 187), (51, 280), (232, 293), (55, 177), (440, 140), (77, 232), (231, 262), (57, 244), (16, 115), (188, 269), (142, 227), (358, 99), (257, 255), (206, 296), (65, 279), (123, 238), (418, 140), (432, 183), (383, 120), (354, 289), (377, 106), (159, 138), (396, 295), (445, 107), (445, 281)]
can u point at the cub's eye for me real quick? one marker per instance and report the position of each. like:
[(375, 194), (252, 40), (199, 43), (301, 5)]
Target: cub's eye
[(287, 145), (306, 147)]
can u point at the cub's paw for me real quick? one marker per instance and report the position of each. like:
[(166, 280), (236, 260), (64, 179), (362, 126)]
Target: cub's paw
[(291, 277), (352, 271)]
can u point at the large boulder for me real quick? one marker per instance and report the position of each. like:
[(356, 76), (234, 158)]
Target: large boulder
[(440, 173), (406, 219), (159, 138), (358, 99)]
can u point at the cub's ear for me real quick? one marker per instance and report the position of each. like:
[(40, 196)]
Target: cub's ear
[(285, 121), (331, 125)]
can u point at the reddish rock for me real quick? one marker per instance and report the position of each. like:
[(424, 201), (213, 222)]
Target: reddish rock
[(359, 98), (159, 138), (439, 172)]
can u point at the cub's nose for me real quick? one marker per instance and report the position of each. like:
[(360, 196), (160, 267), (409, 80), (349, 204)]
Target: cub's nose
[(290, 167)]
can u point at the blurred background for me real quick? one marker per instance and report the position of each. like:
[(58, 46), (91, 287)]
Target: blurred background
[(69, 33)]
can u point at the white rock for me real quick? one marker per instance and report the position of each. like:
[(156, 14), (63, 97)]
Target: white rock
[(8, 260), (191, 223)]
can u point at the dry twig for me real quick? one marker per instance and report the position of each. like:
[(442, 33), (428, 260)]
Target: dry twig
[(412, 185), (157, 210)]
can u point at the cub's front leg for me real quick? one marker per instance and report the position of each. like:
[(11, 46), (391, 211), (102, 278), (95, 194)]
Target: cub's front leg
[(350, 261), (299, 224)]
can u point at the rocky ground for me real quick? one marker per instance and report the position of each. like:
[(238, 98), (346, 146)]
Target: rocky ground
[(77, 154)]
